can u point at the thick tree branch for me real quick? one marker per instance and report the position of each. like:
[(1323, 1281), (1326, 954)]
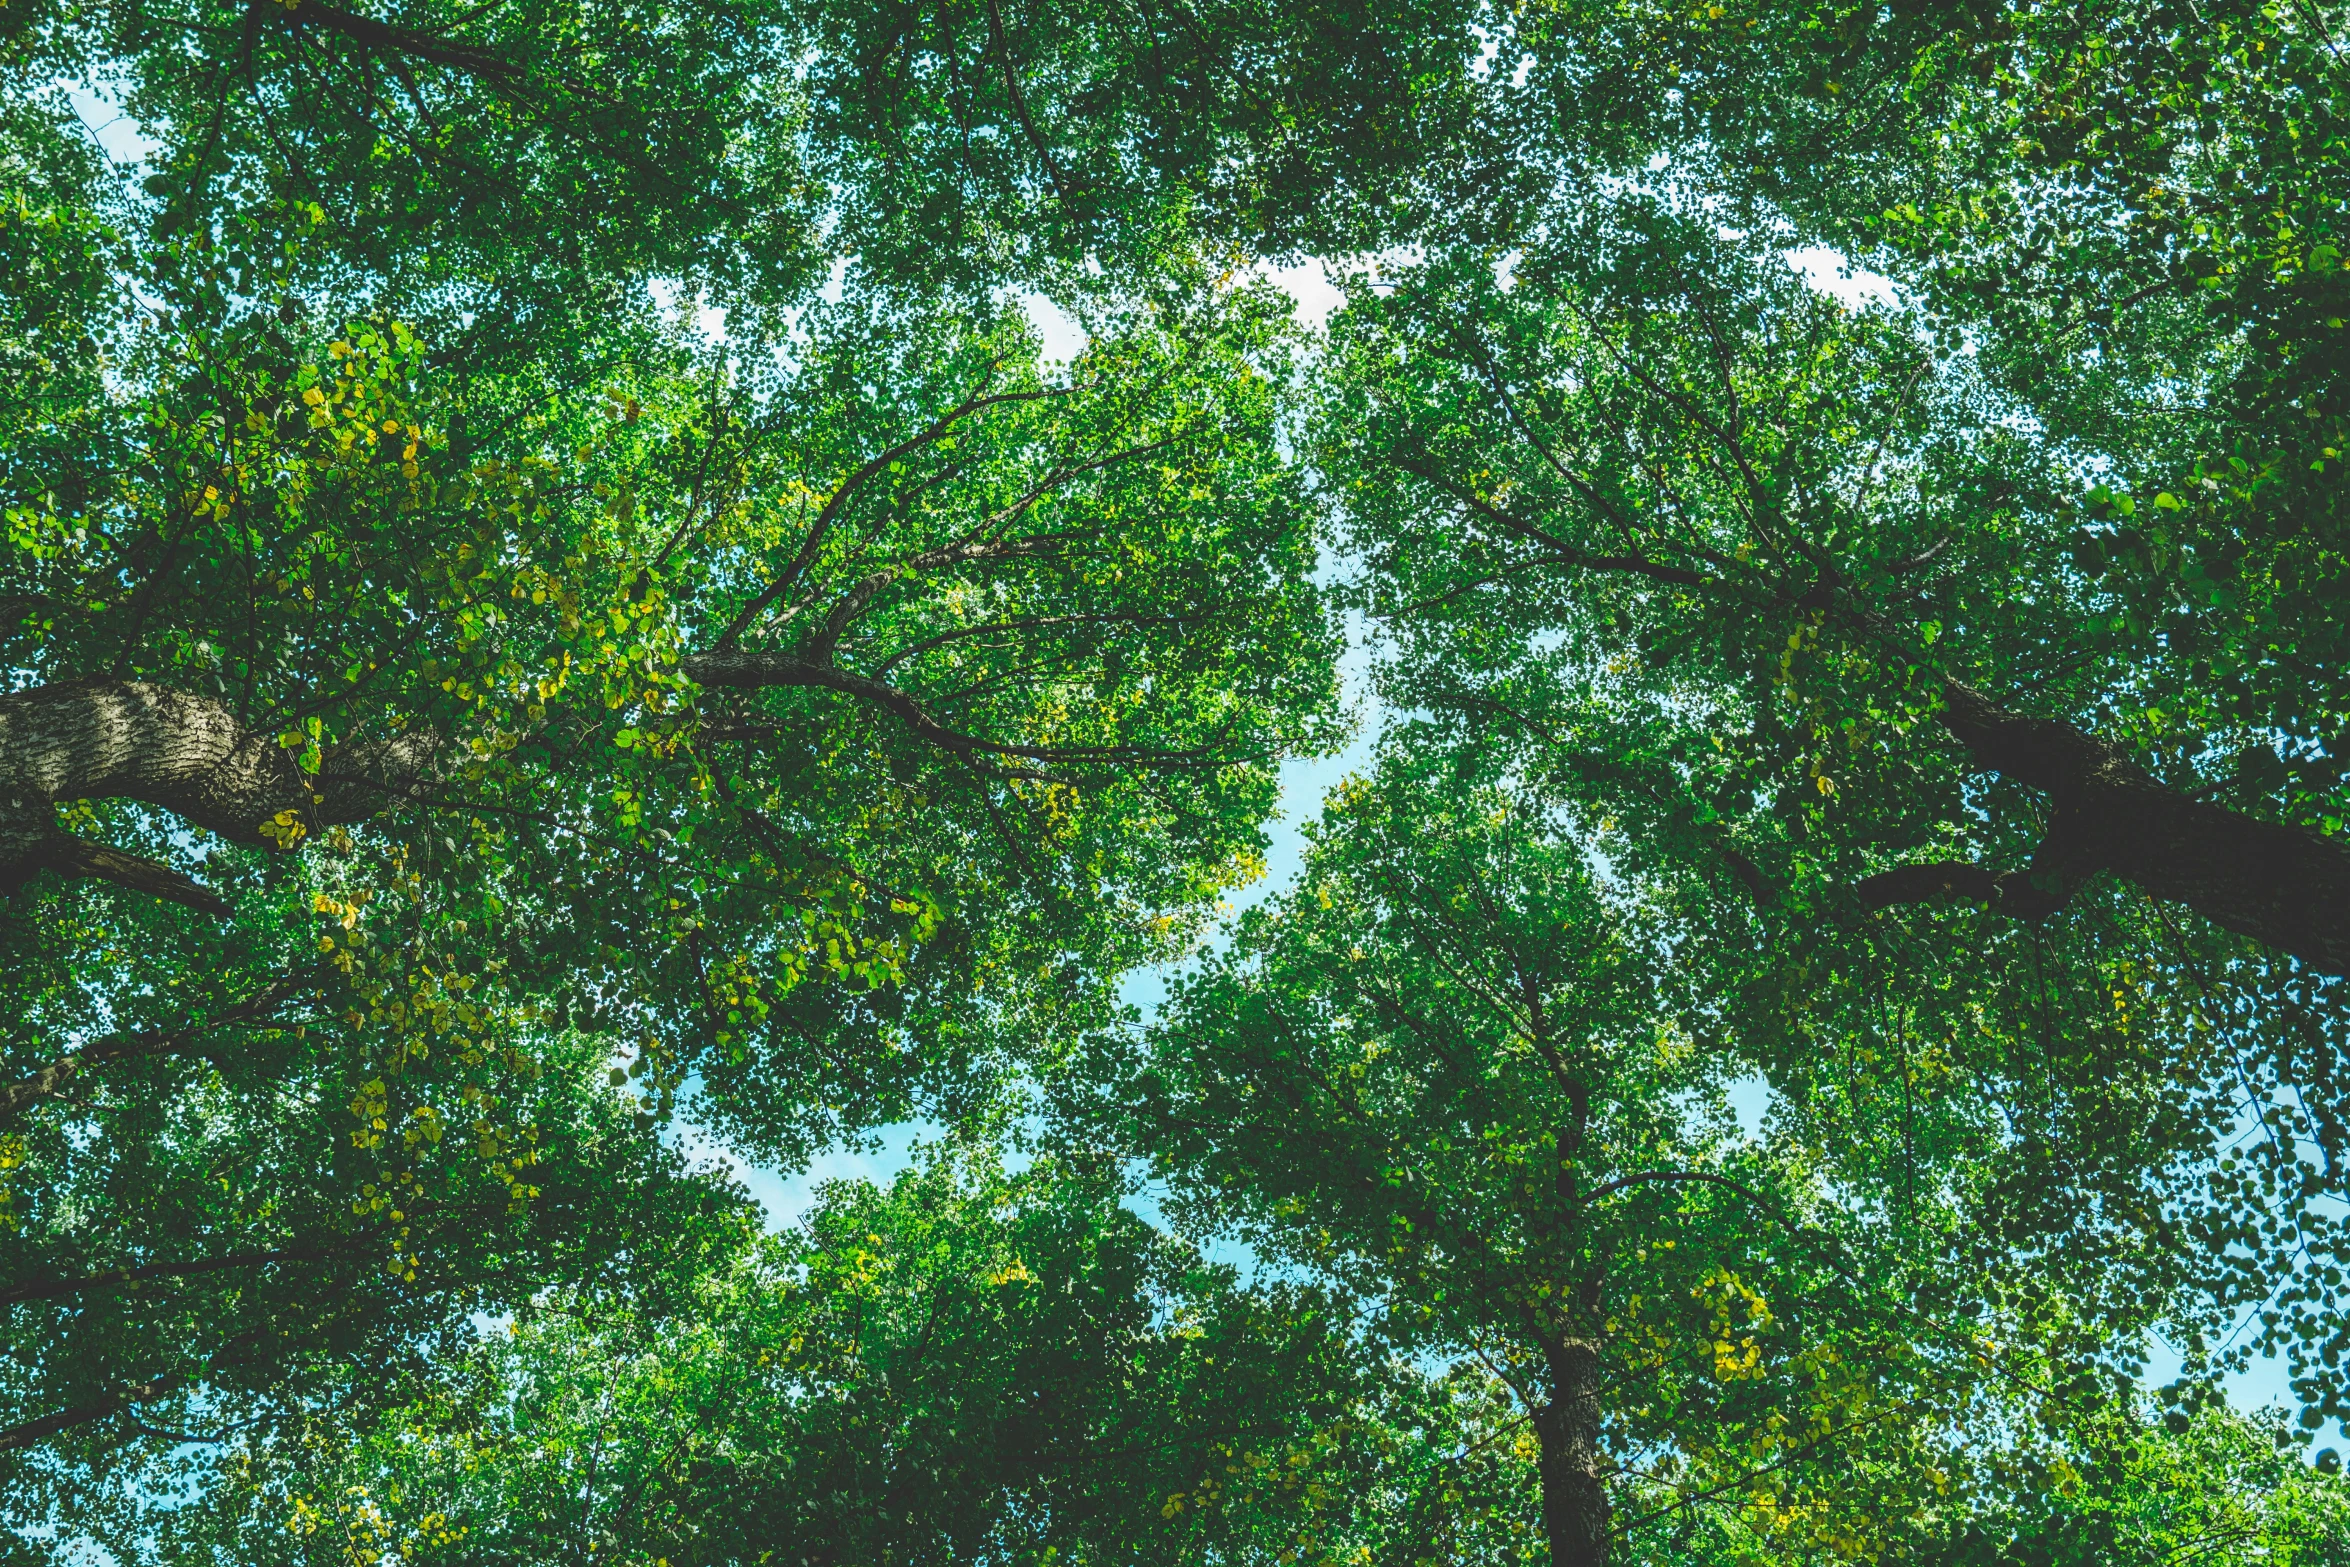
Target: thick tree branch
[(107, 739), (33, 1432), (759, 671), (2280, 884), (75, 858), (2027, 895), (1927, 882)]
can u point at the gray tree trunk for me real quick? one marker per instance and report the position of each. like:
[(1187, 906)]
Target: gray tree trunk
[(106, 739), (1573, 1472)]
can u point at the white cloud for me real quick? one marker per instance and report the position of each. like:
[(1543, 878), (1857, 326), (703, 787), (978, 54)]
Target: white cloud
[(1309, 288), (1063, 339), (1832, 274)]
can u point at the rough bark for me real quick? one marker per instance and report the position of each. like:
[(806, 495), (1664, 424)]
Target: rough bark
[(2282, 885), (1573, 1475), (105, 739)]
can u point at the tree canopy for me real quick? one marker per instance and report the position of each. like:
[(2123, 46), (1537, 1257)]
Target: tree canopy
[(559, 606)]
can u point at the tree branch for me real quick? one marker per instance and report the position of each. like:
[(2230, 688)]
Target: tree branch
[(758, 671), (2025, 895), (54, 1077), (1568, 554), (1925, 883), (77, 858), (384, 38), (1052, 169), (32, 1432), (2275, 882), (108, 739), (849, 487)]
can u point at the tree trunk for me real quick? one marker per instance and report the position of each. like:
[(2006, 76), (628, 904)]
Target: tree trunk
[(2282, 885), (104, 739), (1574, 1483)]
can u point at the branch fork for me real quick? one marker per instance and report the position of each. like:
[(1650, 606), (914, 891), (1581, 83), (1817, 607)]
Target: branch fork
[(109, 739)]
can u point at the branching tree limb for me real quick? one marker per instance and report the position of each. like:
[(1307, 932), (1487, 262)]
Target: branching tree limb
[(390, 41), (1044, 155), (33, 1432), (58, 1074), (822, 525), (2280, 884), (1564, 553), (107, 739)]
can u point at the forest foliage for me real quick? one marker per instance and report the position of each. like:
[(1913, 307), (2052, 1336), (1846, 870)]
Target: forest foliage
[(557, 608)]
